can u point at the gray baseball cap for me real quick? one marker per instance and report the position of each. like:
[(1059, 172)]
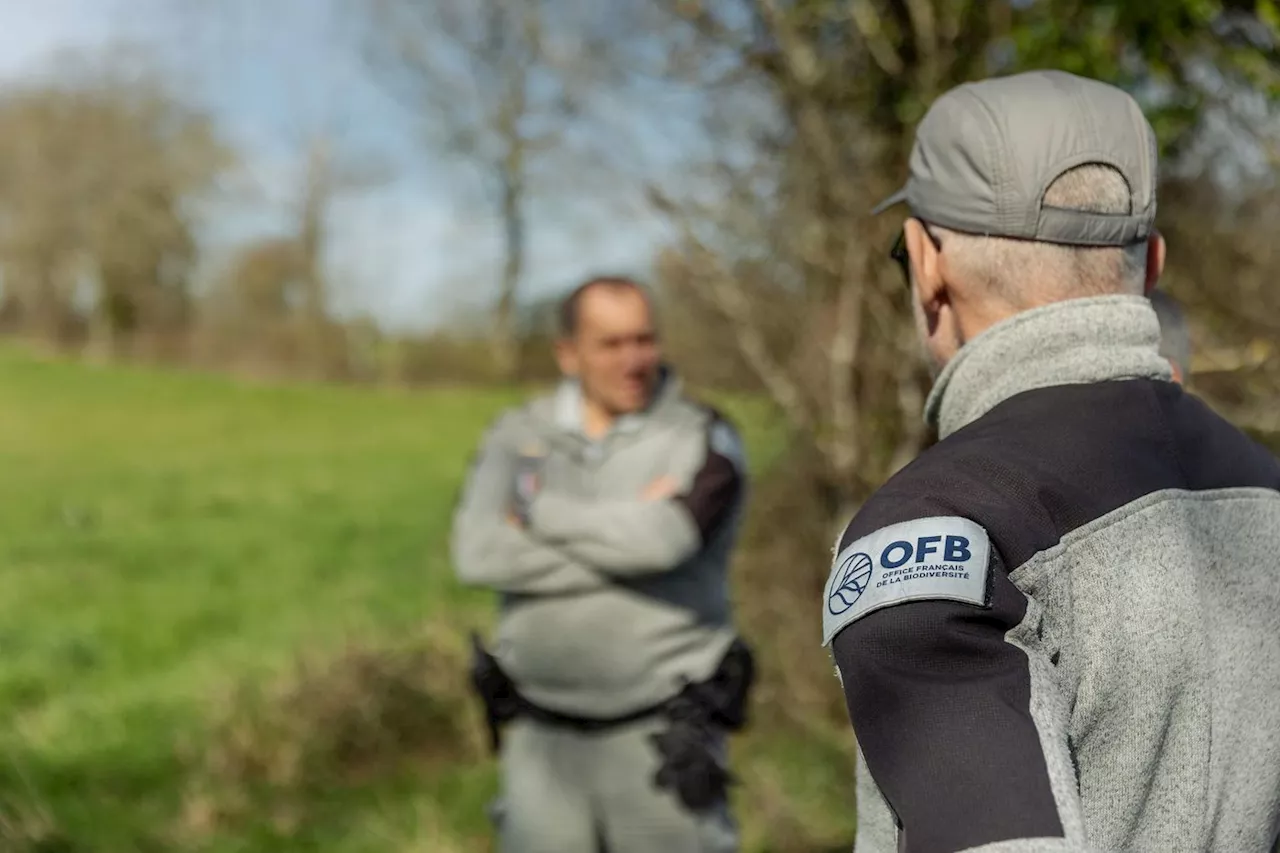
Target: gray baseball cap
[(985, 153)]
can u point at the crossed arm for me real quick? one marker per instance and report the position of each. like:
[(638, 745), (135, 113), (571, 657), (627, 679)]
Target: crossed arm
[(491, 551), (573, 544)]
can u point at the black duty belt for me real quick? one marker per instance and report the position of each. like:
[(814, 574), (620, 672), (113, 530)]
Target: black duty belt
[(721, 699), (690, 766), (586, 724)]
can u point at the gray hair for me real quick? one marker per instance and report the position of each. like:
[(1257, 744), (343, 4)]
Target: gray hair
[(1023, 271), (1175, 338)]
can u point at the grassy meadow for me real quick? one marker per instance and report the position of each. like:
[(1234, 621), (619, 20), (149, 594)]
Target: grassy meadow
[(228, 623)]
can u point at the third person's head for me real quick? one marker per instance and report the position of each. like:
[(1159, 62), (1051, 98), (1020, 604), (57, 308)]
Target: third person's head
[(1175, 338)]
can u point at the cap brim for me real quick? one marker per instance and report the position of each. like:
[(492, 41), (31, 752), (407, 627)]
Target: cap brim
[(897, 198)]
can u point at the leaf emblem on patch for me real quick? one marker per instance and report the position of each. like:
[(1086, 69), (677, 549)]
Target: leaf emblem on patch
[(850, 580)]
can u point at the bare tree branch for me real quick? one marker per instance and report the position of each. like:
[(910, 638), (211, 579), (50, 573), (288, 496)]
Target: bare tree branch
[(481, 76), (724, 293), (843, 442), (871, 27)]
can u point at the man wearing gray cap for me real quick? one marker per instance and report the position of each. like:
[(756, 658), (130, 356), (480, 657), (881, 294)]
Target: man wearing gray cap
[(1059, 628)]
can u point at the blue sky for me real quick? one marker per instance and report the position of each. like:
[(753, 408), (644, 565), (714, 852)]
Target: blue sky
[(412, 250)]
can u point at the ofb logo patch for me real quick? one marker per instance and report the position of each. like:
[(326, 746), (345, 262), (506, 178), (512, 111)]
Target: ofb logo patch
[(942, 558), (852, 576)]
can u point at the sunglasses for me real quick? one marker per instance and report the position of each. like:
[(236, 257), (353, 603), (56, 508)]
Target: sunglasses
[(898, 253)]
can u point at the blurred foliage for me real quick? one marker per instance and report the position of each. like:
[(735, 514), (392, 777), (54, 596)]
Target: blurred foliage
[(97, 168), (815, 104), (1178, 58)]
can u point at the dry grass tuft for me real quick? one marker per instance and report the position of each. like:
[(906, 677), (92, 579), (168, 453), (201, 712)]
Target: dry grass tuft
[(370, 713)]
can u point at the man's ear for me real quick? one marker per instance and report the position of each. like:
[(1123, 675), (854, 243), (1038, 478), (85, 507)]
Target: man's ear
[(1155, 261), (925, 262), (566, 357)]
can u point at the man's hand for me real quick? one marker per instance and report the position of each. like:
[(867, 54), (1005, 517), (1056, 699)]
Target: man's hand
[(660, 489)]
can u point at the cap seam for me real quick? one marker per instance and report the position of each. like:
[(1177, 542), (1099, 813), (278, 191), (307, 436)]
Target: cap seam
[(1086, 111), (998, 160), (1143, 128), (1142, 167)]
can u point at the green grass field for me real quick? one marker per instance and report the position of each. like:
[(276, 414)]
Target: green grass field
[(170, 541)]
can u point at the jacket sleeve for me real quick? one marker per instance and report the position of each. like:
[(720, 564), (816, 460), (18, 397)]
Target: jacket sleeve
[(637, 536), (961, 727), (489, 551)]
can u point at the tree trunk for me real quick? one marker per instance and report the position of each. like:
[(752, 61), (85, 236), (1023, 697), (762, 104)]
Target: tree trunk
[(505, 340)]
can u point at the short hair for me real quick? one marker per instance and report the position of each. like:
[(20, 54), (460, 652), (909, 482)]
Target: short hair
[(1175, 337), (571, 306), (1020, 269)]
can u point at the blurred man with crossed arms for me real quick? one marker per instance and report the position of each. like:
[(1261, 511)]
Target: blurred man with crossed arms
[(604, 514)]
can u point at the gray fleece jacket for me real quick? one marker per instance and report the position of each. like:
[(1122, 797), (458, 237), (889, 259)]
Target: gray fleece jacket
[(1059, 628), (608, 600)]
